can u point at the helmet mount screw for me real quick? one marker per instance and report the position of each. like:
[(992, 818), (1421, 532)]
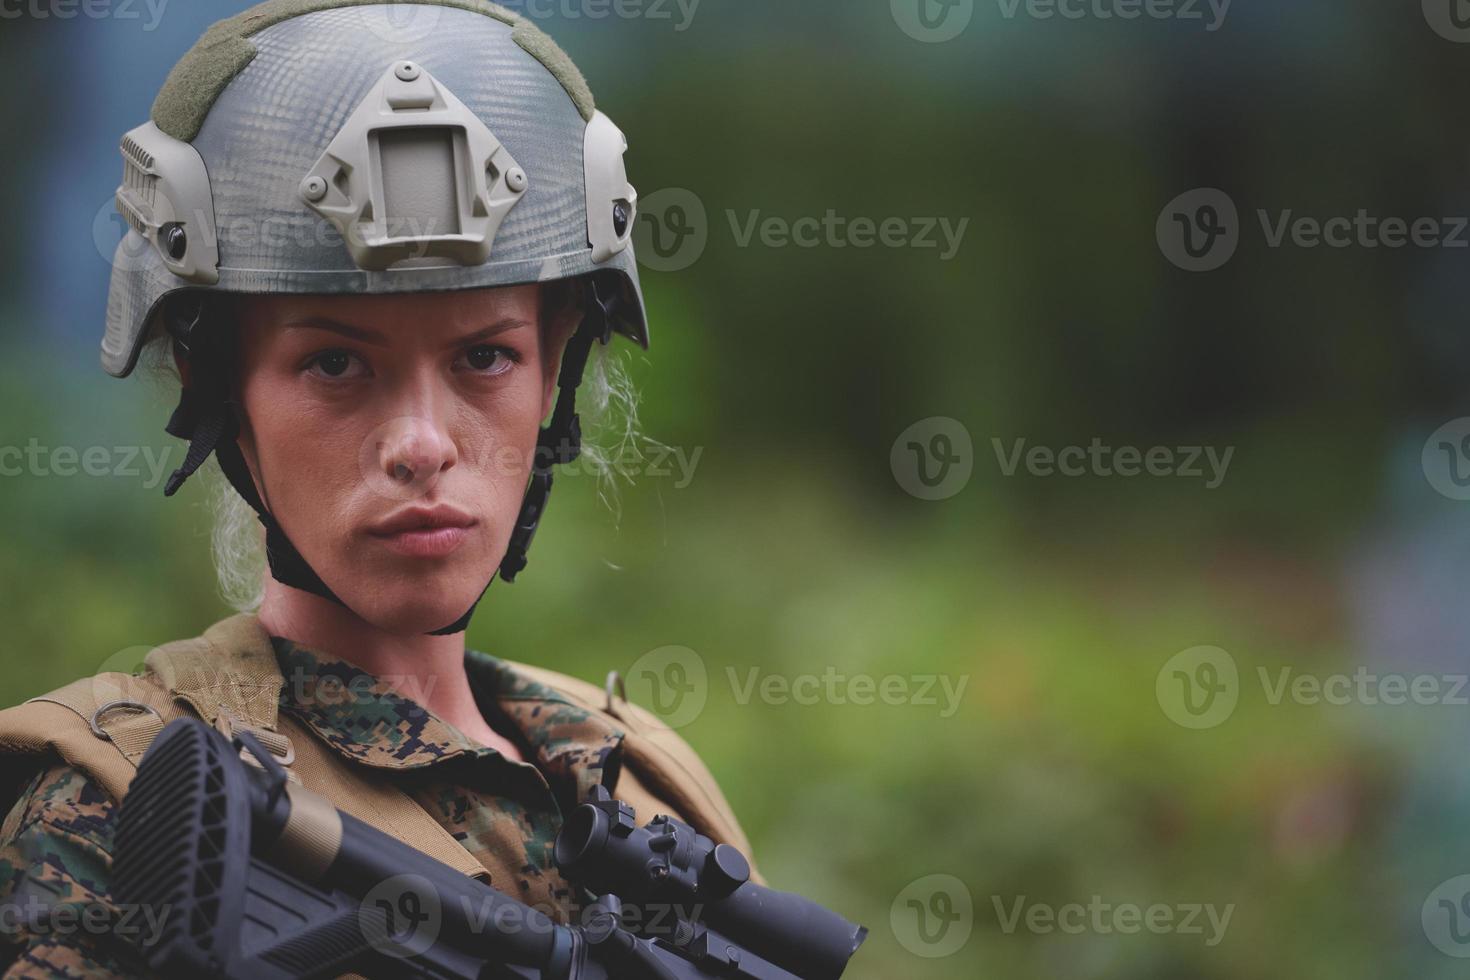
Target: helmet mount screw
[(620, 219), (406, 71), (176, 240), (515, 179), (314, 188)]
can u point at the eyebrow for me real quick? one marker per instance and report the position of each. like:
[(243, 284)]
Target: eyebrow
[(378, 339)]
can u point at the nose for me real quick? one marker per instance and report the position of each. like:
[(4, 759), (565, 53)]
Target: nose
[(414, 451)]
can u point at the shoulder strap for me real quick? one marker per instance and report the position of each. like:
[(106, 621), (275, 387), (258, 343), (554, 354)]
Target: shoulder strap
[(670, 768), (103, 724), (100, 725), (230, 670)]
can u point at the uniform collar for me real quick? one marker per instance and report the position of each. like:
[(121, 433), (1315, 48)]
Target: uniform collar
[(363, 719)]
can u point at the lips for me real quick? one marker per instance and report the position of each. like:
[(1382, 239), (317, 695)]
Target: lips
[(425, 532), (422, 519)]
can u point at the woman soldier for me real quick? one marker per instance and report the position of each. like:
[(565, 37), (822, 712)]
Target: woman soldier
[(381, 250)]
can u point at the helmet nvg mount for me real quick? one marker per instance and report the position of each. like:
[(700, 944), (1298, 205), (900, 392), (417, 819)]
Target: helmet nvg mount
[(339, 146)]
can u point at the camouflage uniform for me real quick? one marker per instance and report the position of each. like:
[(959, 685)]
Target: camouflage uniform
[(56, 844)]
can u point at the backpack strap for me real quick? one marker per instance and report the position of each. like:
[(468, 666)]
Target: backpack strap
[(102, 725), (230, 671)]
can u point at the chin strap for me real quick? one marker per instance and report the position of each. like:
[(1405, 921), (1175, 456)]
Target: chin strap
[(208, 416)]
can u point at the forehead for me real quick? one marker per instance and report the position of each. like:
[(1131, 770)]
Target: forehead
[(423, 312)]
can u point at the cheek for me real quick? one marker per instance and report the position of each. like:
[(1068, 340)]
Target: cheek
[(497, 441), (306, 454)]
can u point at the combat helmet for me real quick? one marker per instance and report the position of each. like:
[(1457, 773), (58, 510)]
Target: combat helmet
[(343, 146)]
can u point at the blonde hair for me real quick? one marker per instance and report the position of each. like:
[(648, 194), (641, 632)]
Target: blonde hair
[(607, 402)]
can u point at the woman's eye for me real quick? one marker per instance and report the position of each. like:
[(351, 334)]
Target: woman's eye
[(484, 359), (337, 364)]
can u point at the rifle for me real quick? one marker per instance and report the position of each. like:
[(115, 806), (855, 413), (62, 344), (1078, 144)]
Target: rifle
[(253, 876)]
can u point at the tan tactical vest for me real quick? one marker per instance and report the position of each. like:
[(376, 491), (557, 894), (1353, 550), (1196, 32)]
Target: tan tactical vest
[(229, 677)]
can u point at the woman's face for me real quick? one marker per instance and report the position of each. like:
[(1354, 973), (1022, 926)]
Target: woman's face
[(392, 437)]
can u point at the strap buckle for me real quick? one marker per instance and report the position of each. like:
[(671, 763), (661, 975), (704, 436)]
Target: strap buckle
[(114, 705), (278, 745)]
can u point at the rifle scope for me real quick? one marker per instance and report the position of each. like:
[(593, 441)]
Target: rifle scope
[(667, 862)]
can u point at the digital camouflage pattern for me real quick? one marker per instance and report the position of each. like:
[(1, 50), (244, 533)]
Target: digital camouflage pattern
[(58, 920)]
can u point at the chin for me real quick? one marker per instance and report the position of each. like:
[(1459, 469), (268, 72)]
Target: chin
[(414, 615), (421, 604)]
